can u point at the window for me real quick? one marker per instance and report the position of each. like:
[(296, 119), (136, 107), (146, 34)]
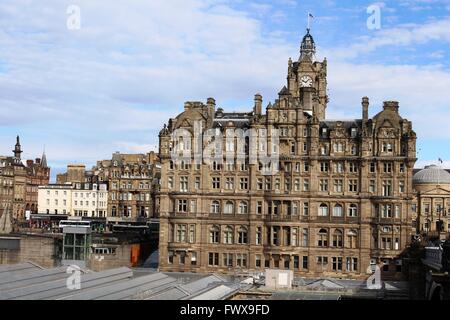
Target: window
[(305, 237), (181, 233), (197, 183), (192, 233), (229, 183), (258, 235), (402, 168), (338, 167), (352, 264), (386, 211), (397, 212), (338, 185), (352, 237), (323, 210), (294, 237), (227, 259), (243, 183), (306, 209), (401, 186), (216, 183), (353, 185), (305, 262), (242, 235), (229, 208), (338, 147), (386, 243), (372, 188), (338, 211), (387, 167), (287, 184), (306, 167), (305, 184), (324, 167), (215, 207), (228, 235), (193, 208), (182, 205), (322, 238), (183, 184), (297, 185), (337, 263), (323, 185), (277, 184), (296, 262), (258, 261), (193, 258), (372, 168), (387, 188), (352, 167), (259, 207), (213, 259), (243, 207), (170, 257), (260, 184), (322, 261), (353, 211), (337, 239), (241, 260), (214, 234)]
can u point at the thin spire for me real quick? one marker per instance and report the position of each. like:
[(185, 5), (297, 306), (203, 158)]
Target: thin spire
[(44, 159)]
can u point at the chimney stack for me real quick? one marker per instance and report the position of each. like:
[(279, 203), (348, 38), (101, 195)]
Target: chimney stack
[(258, 104), (365, 108)]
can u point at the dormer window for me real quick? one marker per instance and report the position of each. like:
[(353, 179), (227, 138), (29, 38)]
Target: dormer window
[(353, 132)]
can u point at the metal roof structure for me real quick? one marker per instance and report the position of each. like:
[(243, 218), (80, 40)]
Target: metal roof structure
[(28, 281)]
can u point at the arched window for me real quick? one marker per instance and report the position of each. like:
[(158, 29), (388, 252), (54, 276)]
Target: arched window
[(229, 207), (243, 207), (322, 238), (352, 239), (215, 207), (337, 211), (228, 235), (214, 234), (337, 238), (323, 210), (242, 235), (353, 210)]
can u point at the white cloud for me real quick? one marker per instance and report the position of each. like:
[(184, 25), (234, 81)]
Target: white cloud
[(403, 35)]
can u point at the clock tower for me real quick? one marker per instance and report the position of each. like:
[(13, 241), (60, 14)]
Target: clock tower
[(307, 79)]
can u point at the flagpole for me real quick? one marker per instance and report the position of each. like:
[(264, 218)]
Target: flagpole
[(309, 16)]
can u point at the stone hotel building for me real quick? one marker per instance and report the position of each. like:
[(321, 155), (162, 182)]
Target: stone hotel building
[(340, 203)]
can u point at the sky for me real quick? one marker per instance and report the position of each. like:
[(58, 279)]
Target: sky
[(108, 81)]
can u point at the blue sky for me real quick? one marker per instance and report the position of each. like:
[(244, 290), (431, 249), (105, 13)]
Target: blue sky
[(111, 85)]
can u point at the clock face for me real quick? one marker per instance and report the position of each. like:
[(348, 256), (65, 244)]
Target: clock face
[(306, 81)]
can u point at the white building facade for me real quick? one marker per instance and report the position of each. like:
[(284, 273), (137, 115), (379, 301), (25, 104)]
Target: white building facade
[(55, 199), (77, 200)]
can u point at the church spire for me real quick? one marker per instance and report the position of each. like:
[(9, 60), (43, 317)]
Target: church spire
[(44, 159), (308, 47), (17, 149)]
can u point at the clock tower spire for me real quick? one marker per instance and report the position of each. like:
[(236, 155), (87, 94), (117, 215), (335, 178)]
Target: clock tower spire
[(308, 47)]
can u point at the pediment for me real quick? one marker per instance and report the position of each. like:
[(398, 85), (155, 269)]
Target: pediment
[(436, 191)]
